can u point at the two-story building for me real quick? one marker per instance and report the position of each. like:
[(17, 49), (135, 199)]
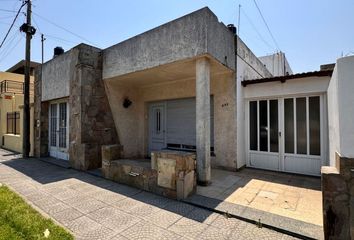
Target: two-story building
[(11, 106)]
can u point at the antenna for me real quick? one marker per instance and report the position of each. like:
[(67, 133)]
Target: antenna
[(239, 19)]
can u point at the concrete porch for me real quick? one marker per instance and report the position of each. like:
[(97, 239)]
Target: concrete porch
[(284, 201)]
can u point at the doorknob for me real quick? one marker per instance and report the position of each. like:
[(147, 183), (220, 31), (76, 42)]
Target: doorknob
[(279, 134)]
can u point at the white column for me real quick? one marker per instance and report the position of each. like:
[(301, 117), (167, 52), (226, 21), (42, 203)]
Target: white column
[(203, 120)]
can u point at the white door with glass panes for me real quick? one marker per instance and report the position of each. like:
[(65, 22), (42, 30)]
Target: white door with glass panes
[(58, 130), (285, 134)]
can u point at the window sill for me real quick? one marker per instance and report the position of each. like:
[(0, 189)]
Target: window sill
[(12, 135)]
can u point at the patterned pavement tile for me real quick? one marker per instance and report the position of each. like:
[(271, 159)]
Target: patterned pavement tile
[(89, 205), (251, 232), (163, 218), (82, 225), (52, 209), (119, 237), (202, 215), (229, 224), (46, 202), (36, 196), (179, 208), (103, 213), (66, 194), (67, 216), (213, 233), (26, 190), (152, 199), (127, 204), (145, 230), (100, 233), (188, 228), (107, 196), (120, 221), (75, 200), (143, 210), (123, 189)]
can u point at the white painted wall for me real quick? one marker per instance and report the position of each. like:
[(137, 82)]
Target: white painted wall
[(304, 86), (245, 72), (277, 64), (341, 109), (294, 87)]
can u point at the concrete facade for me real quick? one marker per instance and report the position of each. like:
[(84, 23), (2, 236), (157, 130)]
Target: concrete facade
[(338, 178), (203, 119), (153, 72), (144, 72)]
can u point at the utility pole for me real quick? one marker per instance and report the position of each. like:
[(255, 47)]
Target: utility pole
[(239, 19), (42, 40), (29, 30)]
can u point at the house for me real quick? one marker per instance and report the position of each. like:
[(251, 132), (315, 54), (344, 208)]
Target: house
[(11, 106), (189, 85), (277, 64)]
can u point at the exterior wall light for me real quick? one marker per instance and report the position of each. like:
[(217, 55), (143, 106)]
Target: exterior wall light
[(127, 103)]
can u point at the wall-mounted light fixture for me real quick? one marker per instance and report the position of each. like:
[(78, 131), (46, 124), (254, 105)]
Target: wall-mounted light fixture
[(127, 102)]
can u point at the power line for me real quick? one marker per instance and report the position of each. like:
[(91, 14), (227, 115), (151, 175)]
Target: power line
[(58, 26), (6, 10), (259, 10), (8, 42), (13, 22), (256, 30), (60, 39), (10, 51)]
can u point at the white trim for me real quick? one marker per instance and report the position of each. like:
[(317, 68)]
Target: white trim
[(56, 151), (268, 126), (295, 125), (258, 130), (281, 141), (308, 126)]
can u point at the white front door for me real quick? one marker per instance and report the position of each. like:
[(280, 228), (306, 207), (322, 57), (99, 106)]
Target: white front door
[(285, 134), (157, 127), (58, 130)]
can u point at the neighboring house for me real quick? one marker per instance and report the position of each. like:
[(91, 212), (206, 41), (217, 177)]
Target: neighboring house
[(277, 64), (191, 85), (11, 106)]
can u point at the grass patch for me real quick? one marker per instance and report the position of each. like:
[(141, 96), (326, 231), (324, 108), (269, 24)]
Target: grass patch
[(18, 220)]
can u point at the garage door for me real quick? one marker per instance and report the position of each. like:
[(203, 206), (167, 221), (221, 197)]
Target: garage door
[(285, 134), (172, 124)]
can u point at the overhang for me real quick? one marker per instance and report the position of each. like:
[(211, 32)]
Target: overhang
[(196, 34), (288, 77), (179, 70)]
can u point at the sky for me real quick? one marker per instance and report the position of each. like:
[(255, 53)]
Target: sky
[(310, 32)]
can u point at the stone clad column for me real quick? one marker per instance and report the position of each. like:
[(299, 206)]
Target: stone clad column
[(203, 120)]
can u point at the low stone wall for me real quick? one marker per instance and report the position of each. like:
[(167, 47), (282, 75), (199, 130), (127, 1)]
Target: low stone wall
[(169, 173), (338, 199)]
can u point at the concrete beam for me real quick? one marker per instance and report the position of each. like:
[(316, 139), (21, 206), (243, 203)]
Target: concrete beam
[(203, 120)]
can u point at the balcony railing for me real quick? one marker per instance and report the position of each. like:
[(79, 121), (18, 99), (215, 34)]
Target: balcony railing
[(9, 86)]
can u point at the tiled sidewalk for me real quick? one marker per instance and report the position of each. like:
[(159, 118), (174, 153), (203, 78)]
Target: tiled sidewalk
[(94, 208)]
